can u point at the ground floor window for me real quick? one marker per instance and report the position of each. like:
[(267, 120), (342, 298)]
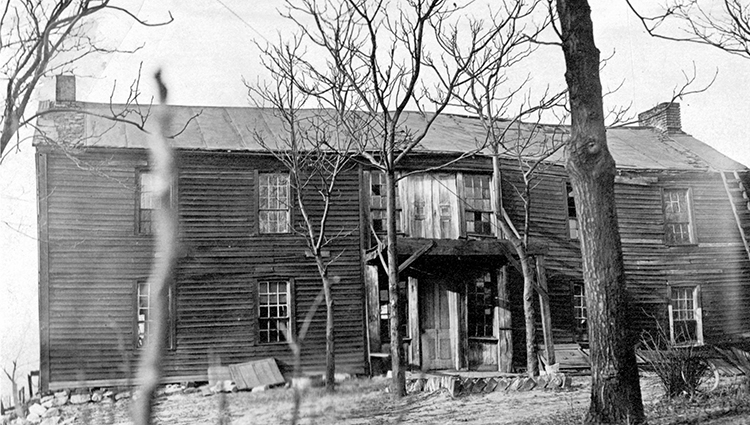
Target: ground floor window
[(273, 311), (685, 322), (385, 311), (580, 314), (144, 313), (480, 297)]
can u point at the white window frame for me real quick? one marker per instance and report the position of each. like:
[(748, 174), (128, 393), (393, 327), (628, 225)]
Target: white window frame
[(142, 309), (471, 205), (274, 302), (146, 201), (694, 291), (574, 230), (665, 197), (274, 205)]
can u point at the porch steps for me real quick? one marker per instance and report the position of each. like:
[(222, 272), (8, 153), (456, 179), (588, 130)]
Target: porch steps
[(457, 385)]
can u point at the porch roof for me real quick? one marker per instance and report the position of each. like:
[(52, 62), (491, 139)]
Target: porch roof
[(417, 247)]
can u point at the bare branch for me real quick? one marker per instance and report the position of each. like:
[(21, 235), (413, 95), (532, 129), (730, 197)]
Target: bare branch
[(38, 41), (689, 21)]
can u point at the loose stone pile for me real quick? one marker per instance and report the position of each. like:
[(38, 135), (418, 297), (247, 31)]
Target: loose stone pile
[(46, 410)]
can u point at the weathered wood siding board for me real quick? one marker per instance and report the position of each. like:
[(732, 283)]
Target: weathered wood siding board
[(717, 262), (96, 258)]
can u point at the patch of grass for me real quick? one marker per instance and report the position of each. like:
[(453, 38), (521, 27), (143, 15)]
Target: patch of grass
[(726, 402)]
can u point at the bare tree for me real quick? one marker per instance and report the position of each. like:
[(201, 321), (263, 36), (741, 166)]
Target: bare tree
[(316, 151), (615, 389), (725, 25), (39, 38), (381, 58), (490, 95), (524, 139), (11, 374)]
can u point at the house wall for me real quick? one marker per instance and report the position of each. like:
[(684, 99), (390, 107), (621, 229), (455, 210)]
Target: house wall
[(92, 258), (717, 261)]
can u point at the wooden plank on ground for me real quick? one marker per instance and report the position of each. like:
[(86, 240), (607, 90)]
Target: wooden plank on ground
[(256, 373)]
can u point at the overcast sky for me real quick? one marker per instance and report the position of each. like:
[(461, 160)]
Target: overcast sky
[(209, 48)]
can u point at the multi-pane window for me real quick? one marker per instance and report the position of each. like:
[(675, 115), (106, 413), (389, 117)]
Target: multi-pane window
[(579, 306), (481, 294), (572, 213), (378, 203), (144, 309), (677, 226), (385, 311), (273, 203), (274, 311), (684, 315), (146, 202), (478, 204)]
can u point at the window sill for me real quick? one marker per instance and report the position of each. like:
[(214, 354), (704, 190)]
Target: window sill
[(688, 344), (483, 338), (272, 344)]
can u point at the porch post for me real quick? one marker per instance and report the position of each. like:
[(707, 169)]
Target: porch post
[(415, 347), (549, 345), (372, 290), (456, 324), (502, 323)]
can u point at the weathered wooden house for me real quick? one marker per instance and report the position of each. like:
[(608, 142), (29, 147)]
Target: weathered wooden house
[(243, 274)]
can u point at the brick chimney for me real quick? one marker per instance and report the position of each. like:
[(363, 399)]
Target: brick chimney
[(65, 88), (664, 117)]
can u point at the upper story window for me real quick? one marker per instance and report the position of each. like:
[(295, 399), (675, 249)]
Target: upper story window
[(273, 203), (480, 297), (378, 203), (477, 204), (678, 229), (572, 213), (428, 204), (144, 314), (274, 311), (146, 203), (685, 321)]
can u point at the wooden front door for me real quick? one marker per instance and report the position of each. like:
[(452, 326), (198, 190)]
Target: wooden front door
[(434, 317)]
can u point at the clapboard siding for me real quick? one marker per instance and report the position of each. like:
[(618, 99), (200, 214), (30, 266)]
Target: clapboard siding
[(95, 258), (92, 259), (717, 262)]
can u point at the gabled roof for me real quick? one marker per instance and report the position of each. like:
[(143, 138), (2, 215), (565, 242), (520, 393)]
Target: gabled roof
[(235, 129)]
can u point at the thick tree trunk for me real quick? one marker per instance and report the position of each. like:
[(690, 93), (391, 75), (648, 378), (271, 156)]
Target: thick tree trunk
[(532, 364), (615, 390), (330, 342), (398, 382)]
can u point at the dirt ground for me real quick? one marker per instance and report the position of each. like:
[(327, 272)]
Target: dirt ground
[(358, 401)]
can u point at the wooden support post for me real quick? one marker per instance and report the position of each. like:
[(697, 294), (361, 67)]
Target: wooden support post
[(415, 348), (372, 290), (549, 345), (454, 311), (503, 328)]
